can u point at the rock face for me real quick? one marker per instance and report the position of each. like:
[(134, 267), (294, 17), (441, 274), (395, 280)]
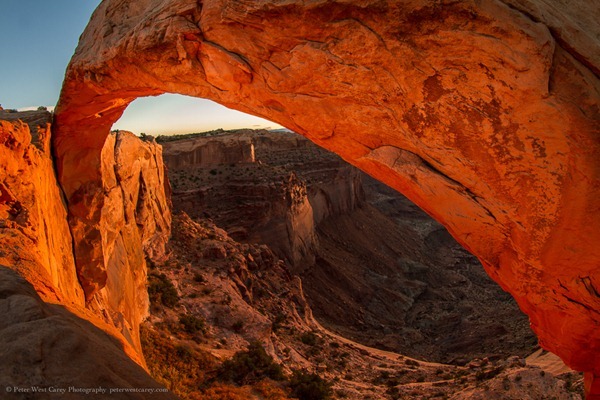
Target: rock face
[(34, 235), (480, 114), (50, 334), (203, 152), (49, 347), (265, 202), (134, 223)]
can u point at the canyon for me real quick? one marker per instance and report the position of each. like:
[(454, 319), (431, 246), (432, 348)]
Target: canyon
[(374, 267), (241, 277), (485, 114)]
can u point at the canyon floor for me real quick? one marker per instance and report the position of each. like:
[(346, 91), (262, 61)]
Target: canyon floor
[(278, 242)]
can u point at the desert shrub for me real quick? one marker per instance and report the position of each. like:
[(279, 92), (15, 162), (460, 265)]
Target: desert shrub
[(226, 392), (411, 362), (278, 321), (238, 326), (178, 366), (42, 108), (309, 338), (485, 375), (192, 324), (250, 366), (309, 386), (162, 291)]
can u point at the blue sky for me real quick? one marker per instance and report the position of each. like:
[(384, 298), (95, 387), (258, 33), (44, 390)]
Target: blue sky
[(38, 40)]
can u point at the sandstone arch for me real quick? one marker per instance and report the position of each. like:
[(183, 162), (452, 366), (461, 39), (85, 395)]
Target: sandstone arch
[(485, 118)]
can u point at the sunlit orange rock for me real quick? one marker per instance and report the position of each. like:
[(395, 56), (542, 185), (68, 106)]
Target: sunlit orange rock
[(486, 115), (49, 335), (135, 223), (34, 235)]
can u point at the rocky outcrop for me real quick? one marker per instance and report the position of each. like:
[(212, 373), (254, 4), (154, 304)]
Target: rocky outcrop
[(34, 235), (133, 223), (52, 351), (480, 114), (204, 151), (36, 239), (51, 335), (265, 201)]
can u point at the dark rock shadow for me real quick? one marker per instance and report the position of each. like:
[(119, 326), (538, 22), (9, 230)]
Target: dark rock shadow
[(48, 352)]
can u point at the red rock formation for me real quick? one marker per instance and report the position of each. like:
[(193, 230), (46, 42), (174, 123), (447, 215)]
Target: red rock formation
[(48, 335), (134, 223), (34, 234), (52, 347), (481, 115), (204, 152)]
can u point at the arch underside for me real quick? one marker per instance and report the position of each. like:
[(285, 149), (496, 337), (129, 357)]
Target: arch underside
[(472, 110)]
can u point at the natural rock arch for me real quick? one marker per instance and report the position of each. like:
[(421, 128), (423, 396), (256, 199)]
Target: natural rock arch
[(485, 118)]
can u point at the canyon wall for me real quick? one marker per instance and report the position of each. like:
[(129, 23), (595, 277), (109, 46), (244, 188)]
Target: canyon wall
[(264, 202), (50, 334), (484, 114), (204, 152), (34, 235), (134, 223)]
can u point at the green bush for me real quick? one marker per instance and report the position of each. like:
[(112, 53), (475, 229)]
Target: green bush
[(309, 386), (162, 291), (250, 366), (192, 324)]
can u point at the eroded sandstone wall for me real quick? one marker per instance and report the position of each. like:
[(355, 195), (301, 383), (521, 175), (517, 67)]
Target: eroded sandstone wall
[(484, 114), (34, 235), (52, 336), (134, 223), (205, 152)]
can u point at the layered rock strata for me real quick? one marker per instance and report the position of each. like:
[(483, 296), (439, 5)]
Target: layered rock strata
[(266, 201), (205, 152), (378, 270), (477, 111)]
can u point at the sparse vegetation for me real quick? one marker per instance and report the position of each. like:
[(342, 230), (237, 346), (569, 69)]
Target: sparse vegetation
[(192, 324), (180, 367), (162, 291), (310, 386), (412, 363), (172, 138), (250, 366), (238, 326), (309, 338)]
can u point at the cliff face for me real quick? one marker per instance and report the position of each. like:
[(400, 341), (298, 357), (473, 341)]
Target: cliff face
[(264, 202), (50, 333), (134, 223), (34, 235), (453, 104), (203, 152)]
